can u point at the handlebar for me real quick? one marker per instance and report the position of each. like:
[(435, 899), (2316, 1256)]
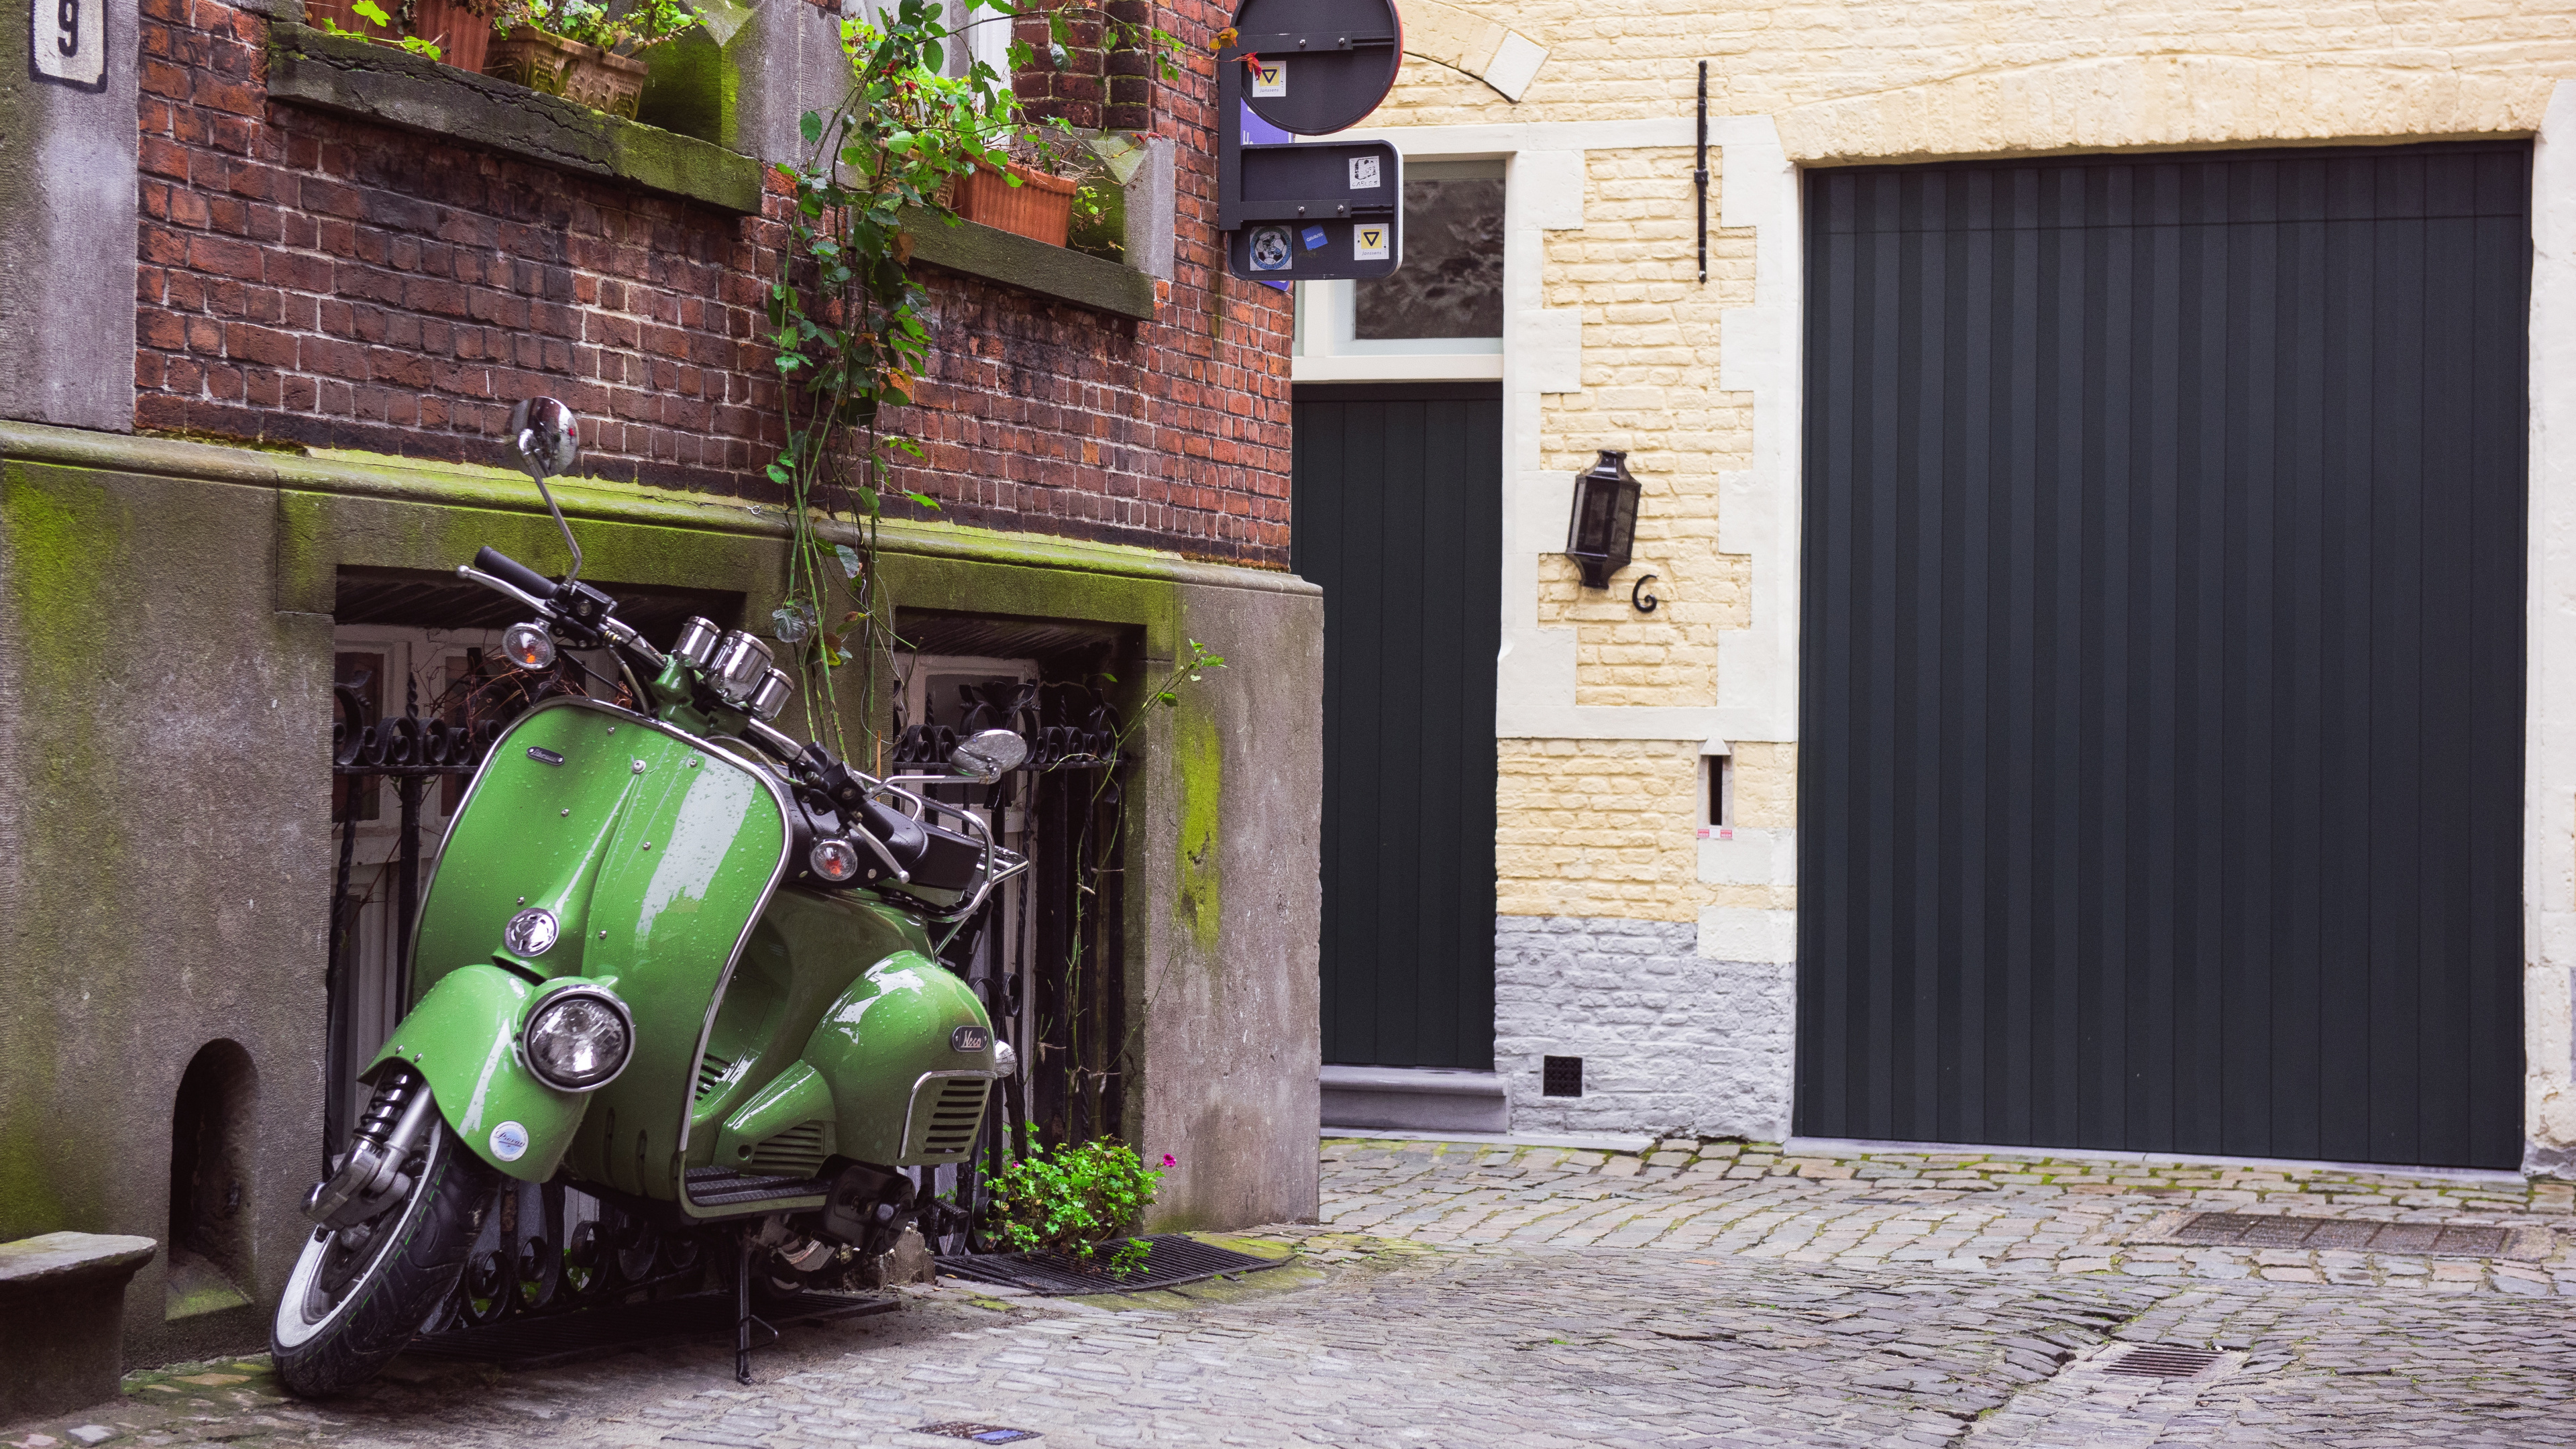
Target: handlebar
[(509, 570)]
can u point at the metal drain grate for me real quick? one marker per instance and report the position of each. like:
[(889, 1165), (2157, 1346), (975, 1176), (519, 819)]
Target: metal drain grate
[(2163, 1361), (544, 1340), (2358, 1235), (1176, 1259), (980, 1433)]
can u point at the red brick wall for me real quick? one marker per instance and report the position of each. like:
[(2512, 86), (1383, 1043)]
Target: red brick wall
[(313, 279)]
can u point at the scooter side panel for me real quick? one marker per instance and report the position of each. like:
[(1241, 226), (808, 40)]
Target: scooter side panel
[(806, 951), (895, 1024), (463, 1039), (655, 854)]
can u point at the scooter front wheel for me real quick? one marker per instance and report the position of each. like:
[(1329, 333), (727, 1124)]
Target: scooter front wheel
[(357, 1295)]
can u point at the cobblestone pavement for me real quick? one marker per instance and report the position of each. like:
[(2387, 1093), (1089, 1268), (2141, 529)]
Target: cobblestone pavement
[(1950, 1210), (1470, 1297)]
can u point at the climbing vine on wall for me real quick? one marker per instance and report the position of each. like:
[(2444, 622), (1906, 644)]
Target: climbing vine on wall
[(845, 314)]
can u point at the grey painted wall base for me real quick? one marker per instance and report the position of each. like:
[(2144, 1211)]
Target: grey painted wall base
[(165, 664), (1672, 1042), (1416, 1099)]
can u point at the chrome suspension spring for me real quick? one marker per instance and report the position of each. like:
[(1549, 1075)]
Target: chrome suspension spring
[(376, 1125)]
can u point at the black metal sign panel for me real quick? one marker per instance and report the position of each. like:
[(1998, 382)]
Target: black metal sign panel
[(1343, 181), (1316, 66), (1314, 251)]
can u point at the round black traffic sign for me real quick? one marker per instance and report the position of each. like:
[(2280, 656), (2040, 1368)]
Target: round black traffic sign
[(1321, 65)]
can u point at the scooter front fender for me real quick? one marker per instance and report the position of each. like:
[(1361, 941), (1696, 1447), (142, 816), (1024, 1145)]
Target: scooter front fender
[(463, 1039)]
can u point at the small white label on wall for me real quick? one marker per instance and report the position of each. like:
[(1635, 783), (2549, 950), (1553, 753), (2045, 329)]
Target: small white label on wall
[(1269, 77), (68, 39)]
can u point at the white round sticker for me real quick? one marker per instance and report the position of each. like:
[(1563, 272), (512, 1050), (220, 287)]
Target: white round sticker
[(509, 1142)]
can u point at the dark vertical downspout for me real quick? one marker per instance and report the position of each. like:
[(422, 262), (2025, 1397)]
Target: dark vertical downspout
[(407, 884), (1699, 178)]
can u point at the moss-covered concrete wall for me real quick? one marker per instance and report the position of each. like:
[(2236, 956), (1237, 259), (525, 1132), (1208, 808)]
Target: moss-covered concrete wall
[(166, 848)]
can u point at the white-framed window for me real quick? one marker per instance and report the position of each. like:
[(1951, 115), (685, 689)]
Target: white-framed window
[(1446, 300)]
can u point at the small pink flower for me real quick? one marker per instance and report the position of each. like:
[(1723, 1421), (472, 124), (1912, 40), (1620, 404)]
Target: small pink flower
[(1170, 1161)]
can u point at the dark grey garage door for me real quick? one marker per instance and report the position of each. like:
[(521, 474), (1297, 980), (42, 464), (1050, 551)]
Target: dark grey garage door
[(2161, 771)]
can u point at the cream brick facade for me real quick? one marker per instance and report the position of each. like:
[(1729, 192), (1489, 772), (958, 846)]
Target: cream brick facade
[(1614, 343)]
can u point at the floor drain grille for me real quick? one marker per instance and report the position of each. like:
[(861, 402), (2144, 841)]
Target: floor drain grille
[(978, 1433), (2359, 1235), (1176, 1259), (2163, 1361)]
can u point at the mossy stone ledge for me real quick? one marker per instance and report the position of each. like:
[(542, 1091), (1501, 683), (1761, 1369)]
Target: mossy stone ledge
[(377, 83)]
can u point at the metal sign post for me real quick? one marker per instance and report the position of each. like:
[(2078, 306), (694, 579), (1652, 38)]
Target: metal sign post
[(1309, 213)]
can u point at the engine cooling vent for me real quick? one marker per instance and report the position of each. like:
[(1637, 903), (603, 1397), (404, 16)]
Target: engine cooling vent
[(712, 1071), (945, 1113), (796, 1152)]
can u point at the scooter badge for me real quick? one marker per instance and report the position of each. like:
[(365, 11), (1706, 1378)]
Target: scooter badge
[(531, 932), (509, 1142)]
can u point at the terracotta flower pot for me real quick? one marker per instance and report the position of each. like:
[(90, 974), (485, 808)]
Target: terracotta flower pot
[(1040, 207)]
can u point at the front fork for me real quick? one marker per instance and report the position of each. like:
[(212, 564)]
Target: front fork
[(370, 1173)]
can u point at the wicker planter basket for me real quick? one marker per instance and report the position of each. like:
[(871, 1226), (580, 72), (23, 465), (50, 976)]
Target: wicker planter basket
[(1040, 207), (534, 59)]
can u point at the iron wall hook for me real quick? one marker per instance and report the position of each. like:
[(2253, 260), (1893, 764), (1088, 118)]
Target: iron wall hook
[(1638, 598)]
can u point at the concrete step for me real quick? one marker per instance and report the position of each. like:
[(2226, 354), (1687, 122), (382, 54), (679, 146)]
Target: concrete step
[(1416, 1099)]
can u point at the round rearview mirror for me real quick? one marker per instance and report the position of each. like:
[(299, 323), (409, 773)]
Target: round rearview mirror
[(546, 436), (988, 754)]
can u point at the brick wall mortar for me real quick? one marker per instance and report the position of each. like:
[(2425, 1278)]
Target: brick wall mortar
[(315, 279)]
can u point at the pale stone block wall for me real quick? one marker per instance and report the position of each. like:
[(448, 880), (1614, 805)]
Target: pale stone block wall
[(1602, 830)]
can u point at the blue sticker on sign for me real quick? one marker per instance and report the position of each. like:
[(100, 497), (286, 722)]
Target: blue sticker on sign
[(1314, 237)]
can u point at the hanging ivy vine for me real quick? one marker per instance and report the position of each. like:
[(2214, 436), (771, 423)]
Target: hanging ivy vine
[(846, 317)]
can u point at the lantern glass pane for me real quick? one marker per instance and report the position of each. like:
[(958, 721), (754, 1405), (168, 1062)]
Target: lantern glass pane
[(1593, 510)]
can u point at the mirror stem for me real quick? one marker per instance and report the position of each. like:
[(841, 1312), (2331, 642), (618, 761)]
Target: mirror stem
[(549, 495)]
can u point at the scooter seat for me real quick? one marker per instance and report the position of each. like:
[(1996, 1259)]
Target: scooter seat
[(949, 861)]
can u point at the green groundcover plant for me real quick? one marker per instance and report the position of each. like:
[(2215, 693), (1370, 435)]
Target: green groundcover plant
[(1072, 1200)]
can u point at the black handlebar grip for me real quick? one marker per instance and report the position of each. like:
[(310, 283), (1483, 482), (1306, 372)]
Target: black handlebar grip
[(510, 571)]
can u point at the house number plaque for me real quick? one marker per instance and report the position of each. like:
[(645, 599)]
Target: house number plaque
[(68, 41)]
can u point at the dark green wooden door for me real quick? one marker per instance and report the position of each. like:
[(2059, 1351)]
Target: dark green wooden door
[(1399, 517)]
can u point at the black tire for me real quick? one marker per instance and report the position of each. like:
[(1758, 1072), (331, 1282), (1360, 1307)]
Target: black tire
[(327, 1343)]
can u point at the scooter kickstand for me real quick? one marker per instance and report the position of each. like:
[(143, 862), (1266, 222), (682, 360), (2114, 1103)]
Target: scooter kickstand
[(742, 1314)]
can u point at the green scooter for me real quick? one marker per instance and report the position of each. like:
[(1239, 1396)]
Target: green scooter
[(669, 958)]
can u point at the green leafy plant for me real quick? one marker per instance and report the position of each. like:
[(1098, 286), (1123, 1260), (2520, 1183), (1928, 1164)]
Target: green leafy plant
[(376, 19), (625, 30), (1073, 1200)]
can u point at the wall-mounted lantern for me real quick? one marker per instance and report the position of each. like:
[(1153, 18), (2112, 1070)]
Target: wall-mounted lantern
[(1604, 526)]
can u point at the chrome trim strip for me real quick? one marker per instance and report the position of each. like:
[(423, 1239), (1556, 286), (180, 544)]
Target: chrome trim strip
[(913, 1108)]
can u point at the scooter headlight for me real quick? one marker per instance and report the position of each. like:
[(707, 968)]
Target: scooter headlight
[(834, 860), (578, 1040), (528, 646)]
